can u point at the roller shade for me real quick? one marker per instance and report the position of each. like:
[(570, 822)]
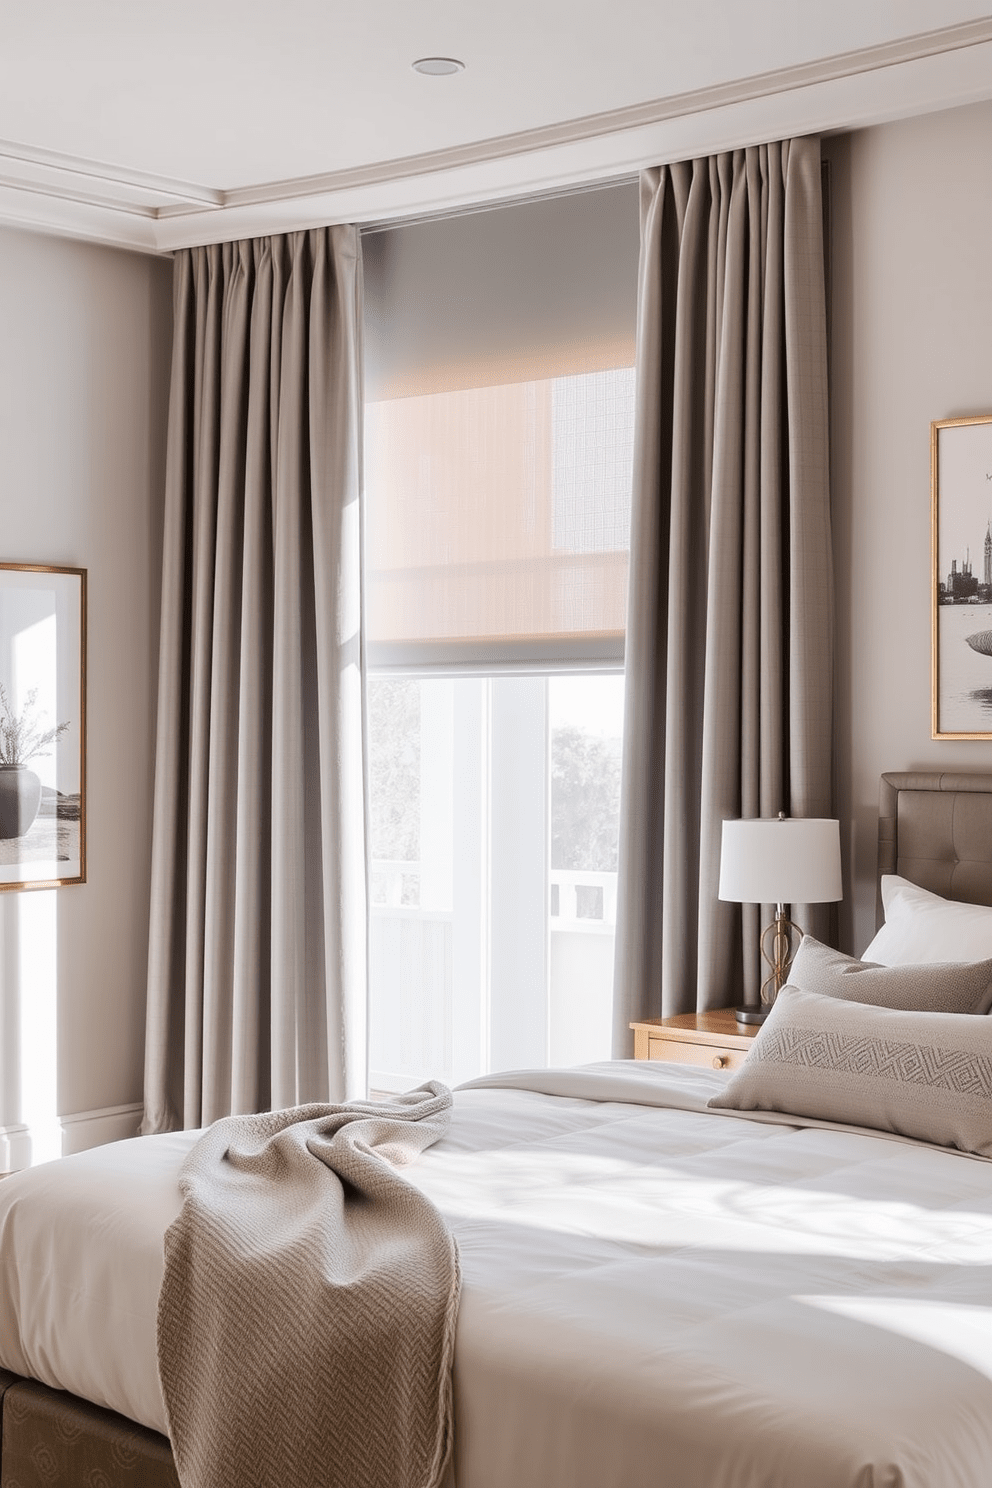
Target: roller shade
[(499, 434)]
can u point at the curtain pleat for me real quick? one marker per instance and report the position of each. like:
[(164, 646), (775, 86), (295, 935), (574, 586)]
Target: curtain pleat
[(257, 974), (730, 613)]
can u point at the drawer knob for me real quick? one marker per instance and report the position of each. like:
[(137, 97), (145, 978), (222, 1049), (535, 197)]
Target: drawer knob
[(721, 1061)]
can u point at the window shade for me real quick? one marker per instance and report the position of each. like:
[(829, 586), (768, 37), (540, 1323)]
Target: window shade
[(499, 434)]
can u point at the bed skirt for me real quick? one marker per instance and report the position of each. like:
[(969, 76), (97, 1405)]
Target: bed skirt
[(50, 1436)]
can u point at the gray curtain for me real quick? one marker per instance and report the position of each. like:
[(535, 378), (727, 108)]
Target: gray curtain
[(257, 953), (730, 619)]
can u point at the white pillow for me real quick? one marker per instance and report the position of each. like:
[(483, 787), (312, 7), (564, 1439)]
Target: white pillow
[(921, 927)]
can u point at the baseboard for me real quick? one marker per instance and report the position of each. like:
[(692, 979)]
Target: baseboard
[(79, 1131), (94, 1128), (15, 1148)]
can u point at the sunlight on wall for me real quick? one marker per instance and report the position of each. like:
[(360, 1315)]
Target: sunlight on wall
[(37, 926), (34, 656)]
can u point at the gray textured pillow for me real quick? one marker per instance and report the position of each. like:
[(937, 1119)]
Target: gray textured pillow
[(923, 1075), (940, 987)]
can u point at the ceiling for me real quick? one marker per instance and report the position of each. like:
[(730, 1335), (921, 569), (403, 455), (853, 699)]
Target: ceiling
[(158, 126)]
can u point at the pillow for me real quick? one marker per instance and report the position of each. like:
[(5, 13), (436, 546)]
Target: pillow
[(922, 1075), (920, 926), (938, 987)]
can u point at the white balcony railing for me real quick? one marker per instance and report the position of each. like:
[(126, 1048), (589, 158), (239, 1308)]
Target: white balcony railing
[(390, 879), (579, 898), (417, 995), (583, 900)]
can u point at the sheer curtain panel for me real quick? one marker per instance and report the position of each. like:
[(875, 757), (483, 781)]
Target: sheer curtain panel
[(257, 974), (730, 615)]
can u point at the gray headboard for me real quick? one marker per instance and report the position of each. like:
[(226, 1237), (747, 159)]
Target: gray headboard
[(936, 830)]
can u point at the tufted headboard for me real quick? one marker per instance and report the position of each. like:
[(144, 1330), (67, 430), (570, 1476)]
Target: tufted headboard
[(936, 830)]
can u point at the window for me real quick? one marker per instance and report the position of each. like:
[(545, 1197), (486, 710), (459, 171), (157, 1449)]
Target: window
[(499, 437)]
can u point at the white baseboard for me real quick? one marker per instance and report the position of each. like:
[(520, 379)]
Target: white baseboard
[(93, 1128), (15, 1148), (79, 1130)]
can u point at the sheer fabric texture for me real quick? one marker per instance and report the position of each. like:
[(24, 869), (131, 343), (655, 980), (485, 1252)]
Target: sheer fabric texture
[(730, 618), (256, 988)]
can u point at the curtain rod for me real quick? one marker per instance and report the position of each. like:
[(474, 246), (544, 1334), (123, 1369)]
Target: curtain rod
[(447, 214)]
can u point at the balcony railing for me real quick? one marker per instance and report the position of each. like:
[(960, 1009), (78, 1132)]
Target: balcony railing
[(579, 899), (416, 995)]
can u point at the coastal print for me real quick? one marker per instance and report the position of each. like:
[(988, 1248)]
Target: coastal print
[(962, 496)]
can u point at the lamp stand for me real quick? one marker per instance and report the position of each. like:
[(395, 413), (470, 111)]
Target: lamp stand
[(779, 943)]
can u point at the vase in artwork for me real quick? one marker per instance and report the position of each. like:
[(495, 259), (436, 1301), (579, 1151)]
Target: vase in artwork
[(20, 797)]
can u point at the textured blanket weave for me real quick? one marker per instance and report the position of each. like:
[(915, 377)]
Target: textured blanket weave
[(306, 1320)]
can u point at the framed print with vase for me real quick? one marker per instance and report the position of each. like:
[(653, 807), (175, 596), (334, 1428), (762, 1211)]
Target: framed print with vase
[(961, 525), (42, 726)]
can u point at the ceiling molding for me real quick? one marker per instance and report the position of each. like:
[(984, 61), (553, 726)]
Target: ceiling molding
[(39, 210), (97, 182), (535, 163), (634, 116), (93, 200)]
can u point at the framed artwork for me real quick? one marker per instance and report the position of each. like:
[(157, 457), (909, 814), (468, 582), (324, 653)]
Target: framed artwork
[(42, 726), (961, 486)]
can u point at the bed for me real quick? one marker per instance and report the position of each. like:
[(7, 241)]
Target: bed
[(655, 1292)]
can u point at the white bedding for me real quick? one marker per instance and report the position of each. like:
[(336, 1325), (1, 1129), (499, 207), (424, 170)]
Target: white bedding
[(653, 1294)]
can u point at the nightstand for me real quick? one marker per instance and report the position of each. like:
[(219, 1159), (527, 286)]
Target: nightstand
[(714, 1039)]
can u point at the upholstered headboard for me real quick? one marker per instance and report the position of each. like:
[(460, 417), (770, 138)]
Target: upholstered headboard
[(936, 830)]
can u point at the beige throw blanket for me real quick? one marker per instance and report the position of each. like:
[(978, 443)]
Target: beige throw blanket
[(306, 1320)]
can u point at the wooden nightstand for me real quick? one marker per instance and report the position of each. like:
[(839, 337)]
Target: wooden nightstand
[(713, 1039)]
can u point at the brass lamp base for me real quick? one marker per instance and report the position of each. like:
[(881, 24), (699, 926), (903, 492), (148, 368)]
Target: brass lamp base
[(779, 943)]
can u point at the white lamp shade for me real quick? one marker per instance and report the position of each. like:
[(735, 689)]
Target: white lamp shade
[(791, 860)]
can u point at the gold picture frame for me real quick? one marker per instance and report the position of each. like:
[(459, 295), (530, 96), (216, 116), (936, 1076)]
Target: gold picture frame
[(961, 544), (42, 726)]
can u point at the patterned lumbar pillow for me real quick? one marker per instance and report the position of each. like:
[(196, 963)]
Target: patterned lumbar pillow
[(922, 1075), (936, 987)]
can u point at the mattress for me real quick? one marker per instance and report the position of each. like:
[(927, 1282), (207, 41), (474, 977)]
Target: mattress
[(652, 1293)]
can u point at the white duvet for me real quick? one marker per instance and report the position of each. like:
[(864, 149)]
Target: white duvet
[(655, 1296)]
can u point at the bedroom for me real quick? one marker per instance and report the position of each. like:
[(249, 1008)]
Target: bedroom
[(85, 366), (911, 308)]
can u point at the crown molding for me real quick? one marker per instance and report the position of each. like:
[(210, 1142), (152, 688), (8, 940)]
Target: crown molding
[(55, 193), (36, 209), (621, 120), (51, 192), (97, 182)]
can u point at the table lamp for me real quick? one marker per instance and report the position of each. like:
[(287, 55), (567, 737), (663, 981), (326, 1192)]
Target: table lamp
[(779, 860)]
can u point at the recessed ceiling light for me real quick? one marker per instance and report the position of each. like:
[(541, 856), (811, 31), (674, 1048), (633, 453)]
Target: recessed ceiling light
[(438, 66)]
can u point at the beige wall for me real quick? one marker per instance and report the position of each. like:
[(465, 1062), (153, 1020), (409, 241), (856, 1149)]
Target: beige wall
[(84, 356), (912, 341), (84, 348)]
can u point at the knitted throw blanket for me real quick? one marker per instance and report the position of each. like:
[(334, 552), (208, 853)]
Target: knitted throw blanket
[(306, 1322)]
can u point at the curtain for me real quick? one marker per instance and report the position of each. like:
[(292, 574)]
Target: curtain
[(730, 611), (257, 943)]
